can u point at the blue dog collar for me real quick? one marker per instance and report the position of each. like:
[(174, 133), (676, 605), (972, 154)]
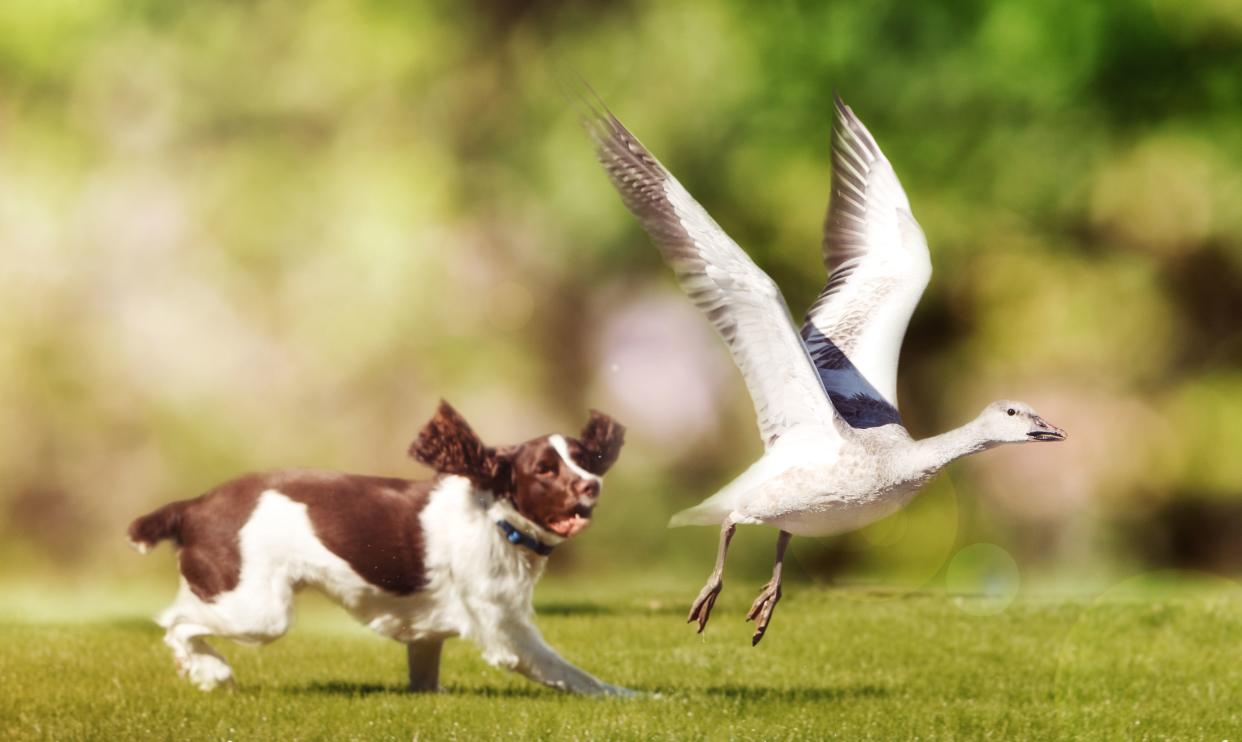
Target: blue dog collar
[(517, 538)]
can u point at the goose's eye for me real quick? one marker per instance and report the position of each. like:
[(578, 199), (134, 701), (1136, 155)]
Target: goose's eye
[(1012, 412)]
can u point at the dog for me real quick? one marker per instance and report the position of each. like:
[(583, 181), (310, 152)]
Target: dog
[(416, 561)]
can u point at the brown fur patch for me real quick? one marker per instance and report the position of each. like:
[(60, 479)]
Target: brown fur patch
[(209, 550), (448, 445), (152, 528), (370, 522), (600, 443)]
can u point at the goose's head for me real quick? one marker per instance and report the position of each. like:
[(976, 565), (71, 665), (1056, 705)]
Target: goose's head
[(1015, 422)]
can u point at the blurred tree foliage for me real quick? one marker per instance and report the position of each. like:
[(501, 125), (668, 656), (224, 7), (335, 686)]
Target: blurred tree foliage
[(242, 235)]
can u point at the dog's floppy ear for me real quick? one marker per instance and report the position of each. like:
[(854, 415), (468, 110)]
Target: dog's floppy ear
[(601, 442), (448, 445)]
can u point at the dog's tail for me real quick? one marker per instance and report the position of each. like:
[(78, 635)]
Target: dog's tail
[(154, 527)]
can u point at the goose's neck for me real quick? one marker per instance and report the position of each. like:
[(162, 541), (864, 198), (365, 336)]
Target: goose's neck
[(930, 455)]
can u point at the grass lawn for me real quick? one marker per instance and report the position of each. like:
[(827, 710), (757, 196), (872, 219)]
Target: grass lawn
[(1135, 663)]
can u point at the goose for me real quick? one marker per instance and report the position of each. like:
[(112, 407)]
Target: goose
[(836, 455)]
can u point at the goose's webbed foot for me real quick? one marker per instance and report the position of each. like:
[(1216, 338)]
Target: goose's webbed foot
[(701, 610), (762, 608)]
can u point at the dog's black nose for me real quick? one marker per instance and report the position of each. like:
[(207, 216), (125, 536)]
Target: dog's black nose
[(586, 487)]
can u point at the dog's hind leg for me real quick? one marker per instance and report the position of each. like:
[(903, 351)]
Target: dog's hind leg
[(204, 667), (255, 613), (187, 624), (424, 661)]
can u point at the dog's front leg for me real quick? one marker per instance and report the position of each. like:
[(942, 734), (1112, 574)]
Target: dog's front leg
[(424, 659), (521, 648)]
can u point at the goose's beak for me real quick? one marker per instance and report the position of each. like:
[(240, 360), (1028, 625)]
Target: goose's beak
[(1043, 431)]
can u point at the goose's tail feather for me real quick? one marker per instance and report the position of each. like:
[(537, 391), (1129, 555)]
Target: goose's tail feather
[(710, 512), (697, 516)]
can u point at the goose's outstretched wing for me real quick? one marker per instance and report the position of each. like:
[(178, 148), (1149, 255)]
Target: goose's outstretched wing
[(739, 299), (878, 266)]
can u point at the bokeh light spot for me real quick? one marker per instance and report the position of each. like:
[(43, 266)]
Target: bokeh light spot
[(983, 578)]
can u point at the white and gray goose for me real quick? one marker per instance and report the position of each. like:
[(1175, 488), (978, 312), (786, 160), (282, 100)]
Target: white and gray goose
[(837, 456)]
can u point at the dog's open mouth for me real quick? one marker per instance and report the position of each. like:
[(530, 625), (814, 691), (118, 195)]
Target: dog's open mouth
[(573, 523)]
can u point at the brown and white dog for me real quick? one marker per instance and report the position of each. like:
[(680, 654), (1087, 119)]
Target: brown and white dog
[(419, 562)]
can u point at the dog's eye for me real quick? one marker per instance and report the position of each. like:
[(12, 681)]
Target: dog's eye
[(546, 468), (1012, 411)]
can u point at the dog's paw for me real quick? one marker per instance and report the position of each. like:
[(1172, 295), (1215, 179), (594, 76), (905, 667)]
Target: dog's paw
[(209, 673)]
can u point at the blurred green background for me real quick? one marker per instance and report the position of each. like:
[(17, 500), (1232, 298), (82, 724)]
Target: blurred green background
[(241, 235)]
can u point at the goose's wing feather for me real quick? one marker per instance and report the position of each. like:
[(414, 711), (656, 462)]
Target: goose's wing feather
[(740, 300), (878, 266)]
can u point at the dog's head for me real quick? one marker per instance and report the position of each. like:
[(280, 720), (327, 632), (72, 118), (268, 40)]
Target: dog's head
[(553, 481)]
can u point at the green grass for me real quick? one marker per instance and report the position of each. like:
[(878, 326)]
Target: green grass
[(850, 664)]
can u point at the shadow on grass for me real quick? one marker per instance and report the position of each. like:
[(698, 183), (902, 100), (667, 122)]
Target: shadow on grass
[(584, 608), (574, 609), (362, 690), (750, 693), (526, 691), (344, 688)]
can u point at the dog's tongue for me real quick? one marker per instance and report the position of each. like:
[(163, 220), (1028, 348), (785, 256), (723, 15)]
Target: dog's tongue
[(570, 526)]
